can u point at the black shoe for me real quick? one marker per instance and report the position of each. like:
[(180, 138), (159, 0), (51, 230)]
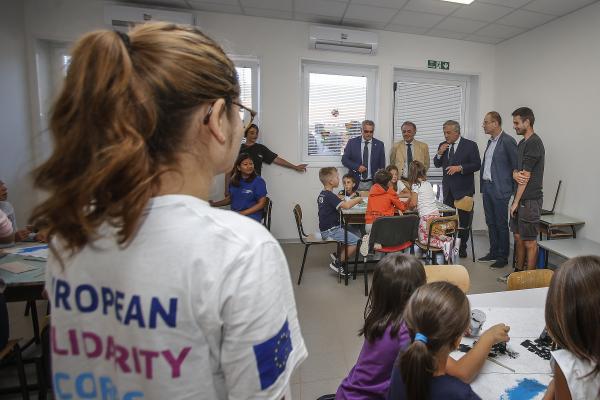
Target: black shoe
[(338, 267), (462, 253), (487, 258), (499, 264)]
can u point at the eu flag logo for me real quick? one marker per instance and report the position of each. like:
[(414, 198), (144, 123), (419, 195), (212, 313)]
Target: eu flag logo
[(272, 355)]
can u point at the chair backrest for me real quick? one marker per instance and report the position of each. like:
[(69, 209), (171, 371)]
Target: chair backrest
[(443, 225), (298, 217), (393, 231), (536, 278), (464, 204), (267, 213), (455, 274), (556, 195)]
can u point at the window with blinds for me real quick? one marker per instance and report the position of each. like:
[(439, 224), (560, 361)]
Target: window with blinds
[(247, 69), (428, 105), (337, 100)]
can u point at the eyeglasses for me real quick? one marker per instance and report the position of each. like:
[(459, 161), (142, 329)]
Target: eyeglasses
[(246, 115)]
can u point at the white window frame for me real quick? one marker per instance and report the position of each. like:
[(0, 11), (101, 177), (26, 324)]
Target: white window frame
[(311, 66), (468, 125), (254, 64)]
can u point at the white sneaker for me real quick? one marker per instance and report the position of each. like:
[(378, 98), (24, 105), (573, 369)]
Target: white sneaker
[(332, 257), (364, 246), (338, 266)]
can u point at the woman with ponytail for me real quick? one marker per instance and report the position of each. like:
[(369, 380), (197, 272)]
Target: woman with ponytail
[(154, 293), (436, 315)]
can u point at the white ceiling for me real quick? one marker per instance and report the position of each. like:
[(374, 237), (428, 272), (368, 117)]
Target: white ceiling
[(485, 21)]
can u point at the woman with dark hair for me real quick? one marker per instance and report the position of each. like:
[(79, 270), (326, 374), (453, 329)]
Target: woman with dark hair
[(247, 191), (259, 154), (154, 293)]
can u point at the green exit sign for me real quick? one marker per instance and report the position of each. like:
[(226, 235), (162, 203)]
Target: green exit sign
[(434, 64)]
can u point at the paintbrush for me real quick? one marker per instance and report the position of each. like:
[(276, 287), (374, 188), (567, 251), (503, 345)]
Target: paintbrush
[(500, 364)]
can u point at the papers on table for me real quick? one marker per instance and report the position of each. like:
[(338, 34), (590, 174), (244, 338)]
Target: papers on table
[(16, 267), (532, 373), (38, 251)]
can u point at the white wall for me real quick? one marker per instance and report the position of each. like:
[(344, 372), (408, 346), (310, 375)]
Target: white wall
[(15, 144), (554, 70), (280, 46)]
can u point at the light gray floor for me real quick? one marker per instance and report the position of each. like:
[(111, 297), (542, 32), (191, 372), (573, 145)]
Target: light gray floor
[(331, 314)]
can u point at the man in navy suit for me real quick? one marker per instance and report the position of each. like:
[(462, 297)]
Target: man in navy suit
[(496, 185), (364, 155), (459, 159)]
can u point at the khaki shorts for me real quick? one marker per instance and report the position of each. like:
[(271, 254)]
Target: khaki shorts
[(527, 219)]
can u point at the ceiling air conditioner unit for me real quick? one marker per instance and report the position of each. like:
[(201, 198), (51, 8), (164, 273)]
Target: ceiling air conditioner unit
[(341, 39), (122, 18)]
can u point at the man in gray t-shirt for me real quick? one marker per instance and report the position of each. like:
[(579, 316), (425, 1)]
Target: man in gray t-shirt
[(529, 175)]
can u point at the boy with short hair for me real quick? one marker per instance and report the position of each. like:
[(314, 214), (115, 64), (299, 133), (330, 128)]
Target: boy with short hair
[(329, 221)]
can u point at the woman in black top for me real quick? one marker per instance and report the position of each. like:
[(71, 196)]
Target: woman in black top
[(261, 153)]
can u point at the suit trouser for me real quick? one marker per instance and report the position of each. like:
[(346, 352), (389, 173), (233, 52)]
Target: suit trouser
[(496, 218), (465, 220)]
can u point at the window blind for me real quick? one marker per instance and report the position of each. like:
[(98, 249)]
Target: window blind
[(428, 105)]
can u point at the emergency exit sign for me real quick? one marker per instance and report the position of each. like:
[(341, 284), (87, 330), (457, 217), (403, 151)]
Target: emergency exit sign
[(434, 64)]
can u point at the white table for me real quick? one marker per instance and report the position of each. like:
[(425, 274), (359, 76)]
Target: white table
[(523, 311), (569, 248)]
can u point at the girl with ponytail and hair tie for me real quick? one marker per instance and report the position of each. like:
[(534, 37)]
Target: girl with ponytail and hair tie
[(437, 315), (154, 293)]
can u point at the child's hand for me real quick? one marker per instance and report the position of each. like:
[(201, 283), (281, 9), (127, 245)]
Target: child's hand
[(22, 234), (497, 334)]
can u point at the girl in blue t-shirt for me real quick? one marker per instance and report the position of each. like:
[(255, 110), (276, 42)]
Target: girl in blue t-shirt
[(247, 191)]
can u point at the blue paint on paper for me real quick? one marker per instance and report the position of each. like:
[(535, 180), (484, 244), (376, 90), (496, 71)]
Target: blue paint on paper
[(526, 389), (32, 249)]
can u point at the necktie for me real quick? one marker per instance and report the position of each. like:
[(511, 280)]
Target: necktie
[(365, 160), (451, 155), (409, 157)]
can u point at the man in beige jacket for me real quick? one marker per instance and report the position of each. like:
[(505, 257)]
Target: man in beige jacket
[(408, 150)]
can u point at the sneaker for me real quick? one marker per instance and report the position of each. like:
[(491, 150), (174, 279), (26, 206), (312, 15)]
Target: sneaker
[(338, 267), (487, 258), (499, 264), (332, 257)]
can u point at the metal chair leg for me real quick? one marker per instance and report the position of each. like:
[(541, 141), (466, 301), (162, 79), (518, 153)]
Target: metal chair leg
[(21, 373), (366, 277), (358, 244), (306, 246), (472, 246)]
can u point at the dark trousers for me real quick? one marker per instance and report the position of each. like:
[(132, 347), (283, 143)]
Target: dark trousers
[(465, 220), (496, 218)]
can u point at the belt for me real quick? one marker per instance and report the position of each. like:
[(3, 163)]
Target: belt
[(486, 181), (366, 180)]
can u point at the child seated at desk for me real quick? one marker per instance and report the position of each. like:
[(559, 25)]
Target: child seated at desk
[(397, 184), (9, 211), (383, 199), (423, 199), (247, 190), (6, 229), (329, 218), (573, 323), (349, 183)]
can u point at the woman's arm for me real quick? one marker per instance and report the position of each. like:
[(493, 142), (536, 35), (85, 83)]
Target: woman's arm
[(221, 203), (284, 163), (412, 202), (257, 207)]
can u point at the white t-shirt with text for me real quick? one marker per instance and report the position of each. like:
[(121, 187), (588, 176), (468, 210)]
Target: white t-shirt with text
[(198, 306)]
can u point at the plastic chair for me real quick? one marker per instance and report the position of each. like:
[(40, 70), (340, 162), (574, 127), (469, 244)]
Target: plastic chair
[(467, 204), (443, 225), (306, 240), (393, 234), (529, 279), (267, 213), (455, 274)]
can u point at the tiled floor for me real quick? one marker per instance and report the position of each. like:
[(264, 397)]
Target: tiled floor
[(331, 314)]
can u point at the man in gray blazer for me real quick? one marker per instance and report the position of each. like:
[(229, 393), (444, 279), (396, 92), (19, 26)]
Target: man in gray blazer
[(496, 184)]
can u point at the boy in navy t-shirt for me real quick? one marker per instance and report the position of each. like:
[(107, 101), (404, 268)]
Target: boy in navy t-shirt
[(329, 219)]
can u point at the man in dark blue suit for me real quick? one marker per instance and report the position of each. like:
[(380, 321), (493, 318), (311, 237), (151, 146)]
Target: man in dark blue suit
[(459, 159), (364, 155), (496, 185)]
